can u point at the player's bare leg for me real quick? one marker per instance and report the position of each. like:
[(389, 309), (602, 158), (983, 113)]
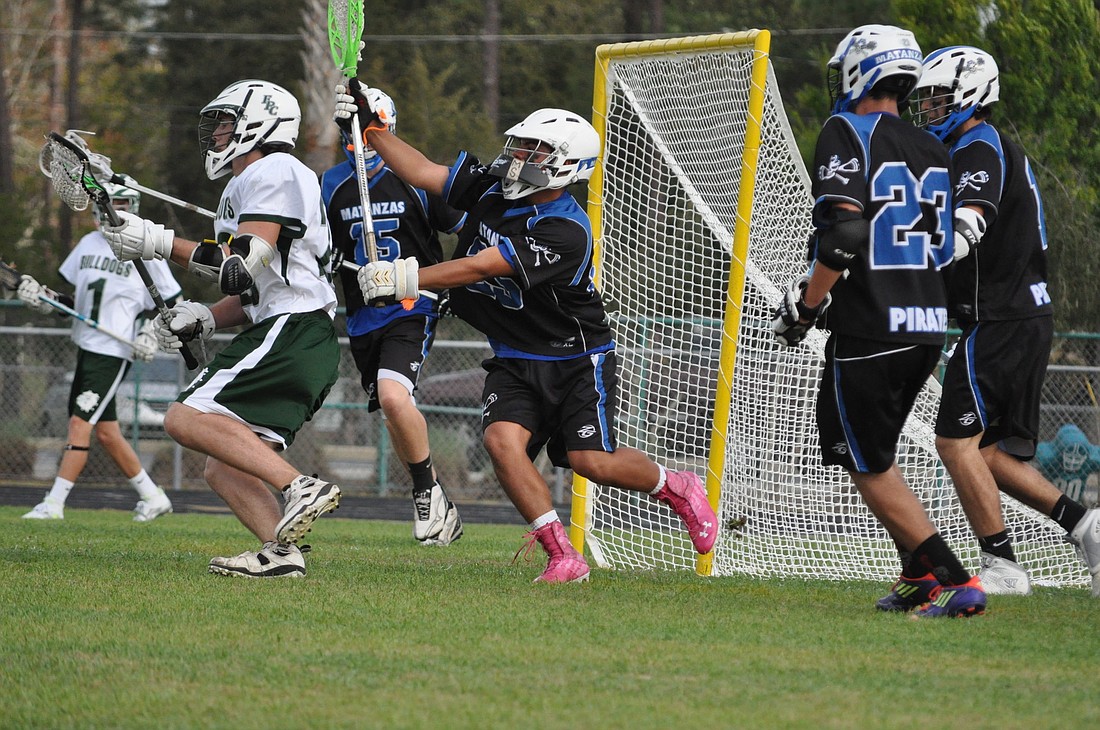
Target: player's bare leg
[(435, 516), (154, 502), (507, 446)]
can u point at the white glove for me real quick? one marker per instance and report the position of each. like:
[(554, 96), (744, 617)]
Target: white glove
[(138, 238), (29, 292), (969, 229), (397, 280), (188, 321), (145, 344), (345, 108)]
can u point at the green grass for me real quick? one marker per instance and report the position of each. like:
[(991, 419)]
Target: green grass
[(110, 624)]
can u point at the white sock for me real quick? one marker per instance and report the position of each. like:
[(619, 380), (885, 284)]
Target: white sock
[(660, 480), (146, 487), (59, 492), (546, 519)]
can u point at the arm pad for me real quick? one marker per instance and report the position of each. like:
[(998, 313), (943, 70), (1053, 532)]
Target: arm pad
[(235, 266), (840, 243)]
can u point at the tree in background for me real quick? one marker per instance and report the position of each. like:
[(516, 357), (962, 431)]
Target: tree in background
[(1048, 53), (148, 66)]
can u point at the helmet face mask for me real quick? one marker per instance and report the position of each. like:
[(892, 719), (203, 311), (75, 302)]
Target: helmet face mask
[(550, 149), (1074, 457), (868, 56), (956, 83), (244, 116)]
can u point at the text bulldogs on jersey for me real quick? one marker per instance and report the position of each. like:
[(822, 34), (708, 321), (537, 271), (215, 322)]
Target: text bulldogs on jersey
[(918, 319)]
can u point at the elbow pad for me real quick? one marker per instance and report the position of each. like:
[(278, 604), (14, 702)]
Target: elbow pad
[(839, 244), (235, 266), (969, 229)]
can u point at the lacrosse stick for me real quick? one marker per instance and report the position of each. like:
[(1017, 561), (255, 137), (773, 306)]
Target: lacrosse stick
[(10, 278), (74, 183), (345, 31), (101, 168)]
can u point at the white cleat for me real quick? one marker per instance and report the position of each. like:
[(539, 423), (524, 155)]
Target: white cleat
[(1086, 538), (1003, 577), (273, 560), (435, 517), (47, 509), (306, 499), (154, 508)]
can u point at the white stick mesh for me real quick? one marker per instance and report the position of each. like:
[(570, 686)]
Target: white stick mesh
[(676, 125)]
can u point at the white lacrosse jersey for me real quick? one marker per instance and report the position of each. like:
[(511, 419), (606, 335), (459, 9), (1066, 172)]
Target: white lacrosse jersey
[(280, 189), (110, 292)]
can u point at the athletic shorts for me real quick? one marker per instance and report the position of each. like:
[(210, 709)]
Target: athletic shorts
[(394, 352), (272, 377), (867, 390), (95, 383), (567, 405), (993, 384)]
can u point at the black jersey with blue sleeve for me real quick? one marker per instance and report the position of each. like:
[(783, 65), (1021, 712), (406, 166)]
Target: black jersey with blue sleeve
[(1005, 275), (548, 309), (406, 224), (899, 177)]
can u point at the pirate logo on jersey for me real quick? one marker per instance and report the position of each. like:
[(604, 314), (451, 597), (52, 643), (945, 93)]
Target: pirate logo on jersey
[(834, 168), (973, 180), (542, 253)]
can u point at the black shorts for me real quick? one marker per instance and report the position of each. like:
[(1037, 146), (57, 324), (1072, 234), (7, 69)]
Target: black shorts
[(394, 352), (994, 381), (867, 390), (95, 383), (567, 405)]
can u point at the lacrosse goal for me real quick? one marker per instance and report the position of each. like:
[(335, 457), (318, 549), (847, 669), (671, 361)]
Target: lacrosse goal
[(700, 206)]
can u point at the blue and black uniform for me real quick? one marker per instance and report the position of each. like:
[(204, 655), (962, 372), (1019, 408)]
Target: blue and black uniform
[(888, 316), (999, 296), (554, 369)]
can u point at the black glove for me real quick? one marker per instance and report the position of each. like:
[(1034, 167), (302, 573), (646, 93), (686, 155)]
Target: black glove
[(793, 318), (351, 99)]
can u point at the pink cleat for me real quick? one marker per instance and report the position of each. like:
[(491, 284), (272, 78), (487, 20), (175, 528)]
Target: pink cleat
[(684, 492), (565, 565)]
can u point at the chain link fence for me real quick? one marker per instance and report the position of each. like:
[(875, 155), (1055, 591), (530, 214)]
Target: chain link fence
[(343, 442)]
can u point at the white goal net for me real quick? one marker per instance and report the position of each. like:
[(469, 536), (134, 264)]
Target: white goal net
[(701, 208)]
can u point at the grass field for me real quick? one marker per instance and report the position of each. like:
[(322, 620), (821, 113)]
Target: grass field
[(110, 624)]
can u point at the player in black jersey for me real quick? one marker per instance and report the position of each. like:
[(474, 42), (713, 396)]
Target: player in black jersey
[(988, 422), (390, 343), (522, 274), (882, 195)]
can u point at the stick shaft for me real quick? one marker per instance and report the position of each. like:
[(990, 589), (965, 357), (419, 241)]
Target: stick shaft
[(86, 320)]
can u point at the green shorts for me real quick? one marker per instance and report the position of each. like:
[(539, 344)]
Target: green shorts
[(95, 382), (272, 377)]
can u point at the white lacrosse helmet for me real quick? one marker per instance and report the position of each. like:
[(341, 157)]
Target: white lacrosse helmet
[(261, 112), (386, 110), (871, 55), (957, 82), (574, 146), (122, 198)]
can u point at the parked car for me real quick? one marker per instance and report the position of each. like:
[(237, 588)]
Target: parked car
[(144, 397)]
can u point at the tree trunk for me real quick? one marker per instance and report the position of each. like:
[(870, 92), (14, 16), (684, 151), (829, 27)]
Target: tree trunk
[(490, 62)]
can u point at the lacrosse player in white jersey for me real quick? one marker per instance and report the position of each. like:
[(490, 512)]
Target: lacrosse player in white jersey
[(110, 292), (271, 258)]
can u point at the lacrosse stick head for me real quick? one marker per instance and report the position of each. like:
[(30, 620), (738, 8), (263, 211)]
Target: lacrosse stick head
[(345, 33), (72, 178)]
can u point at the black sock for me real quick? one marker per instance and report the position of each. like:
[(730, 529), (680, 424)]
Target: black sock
[(906, 559), (935, 557), (1067, 513), (999, 545), (421, 474)]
